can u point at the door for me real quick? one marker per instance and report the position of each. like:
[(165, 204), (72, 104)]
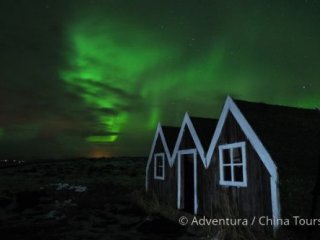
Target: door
[(187, 181)]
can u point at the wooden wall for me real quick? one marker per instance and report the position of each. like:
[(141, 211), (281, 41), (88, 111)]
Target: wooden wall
[(250, 201), (165, 190)]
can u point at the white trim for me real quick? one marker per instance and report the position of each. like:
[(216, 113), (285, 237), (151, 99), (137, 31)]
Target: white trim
[(263, 154), (155, 164), (188, 123), (231, 107), (275, 197), (195, 187), (193, 152), (158, 133), (230, 147), (179, 183), (217, 132), (171, 157)]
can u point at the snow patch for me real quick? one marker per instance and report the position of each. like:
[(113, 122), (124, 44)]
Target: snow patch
[(67, 186)]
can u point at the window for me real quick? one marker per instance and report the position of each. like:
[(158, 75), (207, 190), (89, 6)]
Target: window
[(159, 166), (233, 164)]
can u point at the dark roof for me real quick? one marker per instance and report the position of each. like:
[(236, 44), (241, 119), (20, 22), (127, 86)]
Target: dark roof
[(205, 128), (290, 134), (170, 134), (292, 138)]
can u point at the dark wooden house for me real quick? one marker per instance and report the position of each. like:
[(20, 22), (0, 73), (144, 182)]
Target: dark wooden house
[(160, 172), (186, 156), (260, 160), (264, 159)]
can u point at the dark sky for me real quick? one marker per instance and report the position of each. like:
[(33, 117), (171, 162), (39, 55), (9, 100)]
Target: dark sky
[(93, 78)]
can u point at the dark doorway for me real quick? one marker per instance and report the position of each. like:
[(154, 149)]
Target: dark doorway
[(188, 179)]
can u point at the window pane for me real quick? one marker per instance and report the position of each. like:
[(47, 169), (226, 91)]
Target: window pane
[(238, 173), (227, 173), (226, 156), (160, 162), (237, 157), (159, 166)]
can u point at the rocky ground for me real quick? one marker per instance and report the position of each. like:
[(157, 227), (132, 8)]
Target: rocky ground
[(79, 199), (93, 199)]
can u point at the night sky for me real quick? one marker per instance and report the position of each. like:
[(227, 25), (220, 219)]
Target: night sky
[(93, 78)]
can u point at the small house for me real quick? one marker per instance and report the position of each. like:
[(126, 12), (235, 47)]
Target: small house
[(260, 160), (186, 160), (160, 169)]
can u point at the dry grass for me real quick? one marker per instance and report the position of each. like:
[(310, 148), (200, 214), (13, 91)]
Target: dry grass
[(152, 206)]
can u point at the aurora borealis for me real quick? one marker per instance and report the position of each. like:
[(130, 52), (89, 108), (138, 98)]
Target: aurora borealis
[(93, 78)]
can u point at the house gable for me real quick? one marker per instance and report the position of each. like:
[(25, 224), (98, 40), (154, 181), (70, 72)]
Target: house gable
[(231, 108), (170, 133), (187, 125), (252, 197), (159, 137)]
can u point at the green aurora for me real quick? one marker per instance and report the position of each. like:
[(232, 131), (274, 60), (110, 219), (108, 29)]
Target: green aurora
[(126, 65)]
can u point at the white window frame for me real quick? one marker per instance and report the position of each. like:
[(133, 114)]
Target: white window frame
[(158, 156), (242, 146)]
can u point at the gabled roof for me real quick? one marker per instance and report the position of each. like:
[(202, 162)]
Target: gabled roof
[(170, 135), (230, 107), (291, 135), (204, 128), (187, 123), (159, 134)]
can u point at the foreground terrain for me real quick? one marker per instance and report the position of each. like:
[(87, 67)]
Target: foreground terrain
[(78, 199), (94, 199)]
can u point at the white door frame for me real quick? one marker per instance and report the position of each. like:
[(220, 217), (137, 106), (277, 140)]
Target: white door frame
[(194, 153)]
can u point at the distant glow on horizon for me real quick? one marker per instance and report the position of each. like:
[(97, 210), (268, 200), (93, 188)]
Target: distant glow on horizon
[(99, 153)]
